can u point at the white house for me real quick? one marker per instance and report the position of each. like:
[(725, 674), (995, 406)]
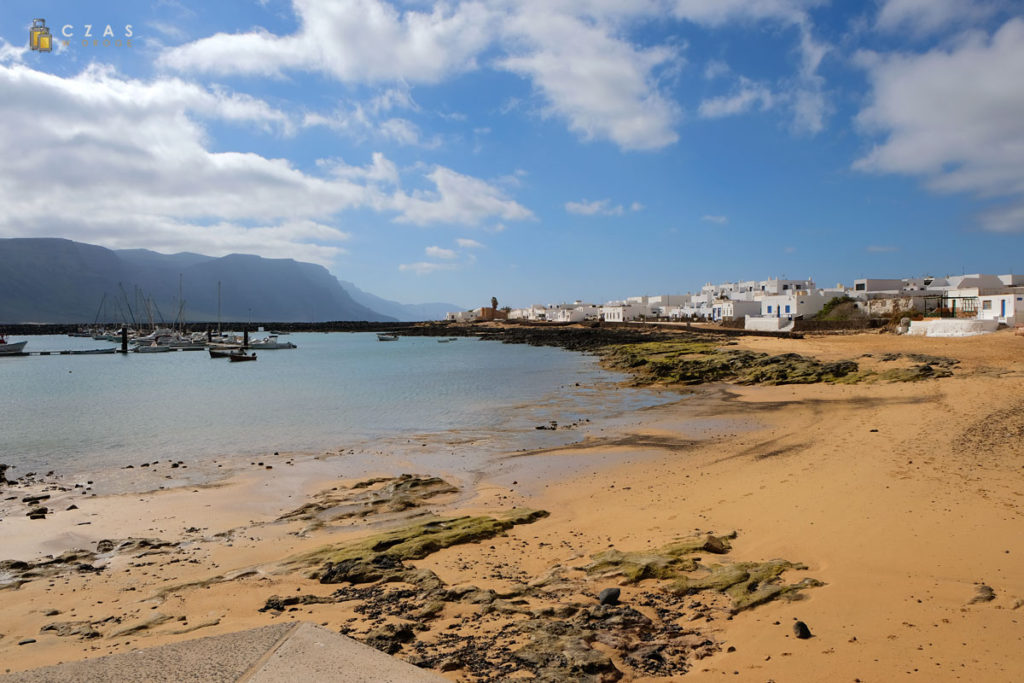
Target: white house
[(623, 311), (865, 286), (460, 316), (794, 304), (775, 286), (1006, 308), (733, 309), (572, 313)]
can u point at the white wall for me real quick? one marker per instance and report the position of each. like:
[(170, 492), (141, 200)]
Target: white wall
[(1004, 308)]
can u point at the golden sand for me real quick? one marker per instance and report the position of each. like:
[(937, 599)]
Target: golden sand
[(901, 498)]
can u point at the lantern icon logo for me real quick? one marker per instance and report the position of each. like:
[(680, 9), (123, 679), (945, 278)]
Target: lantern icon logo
[(39, 37)]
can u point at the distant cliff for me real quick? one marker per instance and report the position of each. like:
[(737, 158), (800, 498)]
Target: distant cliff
[(402, 312), (57, 280)]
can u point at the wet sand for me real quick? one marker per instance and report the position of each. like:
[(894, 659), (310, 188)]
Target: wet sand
[(902, 498)]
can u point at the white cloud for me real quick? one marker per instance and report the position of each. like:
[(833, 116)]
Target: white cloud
[(923, 17), (578, 54), (953, 117), (466, 243), (600, 207), (715, 68), (361, 123), (804, 93), (441, 253), (719, 12), (352, 41), (747, 95), (720, 220), (458, 199), (125, 163), (604, 87), (636, 206), (11, 53), (426, 267), (379, 170)]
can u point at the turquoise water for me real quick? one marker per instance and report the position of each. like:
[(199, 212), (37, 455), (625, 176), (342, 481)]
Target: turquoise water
[(84, 413)]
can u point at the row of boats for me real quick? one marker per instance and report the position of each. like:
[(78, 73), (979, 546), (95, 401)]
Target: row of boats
[(165, 340)]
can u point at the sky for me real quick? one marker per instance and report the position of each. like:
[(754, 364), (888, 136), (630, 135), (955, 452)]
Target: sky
[(537, 151)]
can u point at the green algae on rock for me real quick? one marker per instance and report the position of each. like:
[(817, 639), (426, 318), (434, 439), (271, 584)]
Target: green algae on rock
[(704, 361), (416, 541), (747, 584), (665, 563)]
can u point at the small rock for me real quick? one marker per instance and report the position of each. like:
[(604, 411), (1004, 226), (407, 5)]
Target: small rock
[(984, 594), (801, 631), (609, 596), (27, 641)]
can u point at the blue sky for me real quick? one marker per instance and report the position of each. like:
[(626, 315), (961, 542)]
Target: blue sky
[(533, 150)]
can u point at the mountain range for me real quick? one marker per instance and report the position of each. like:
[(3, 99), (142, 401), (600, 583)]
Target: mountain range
[(58, 280)]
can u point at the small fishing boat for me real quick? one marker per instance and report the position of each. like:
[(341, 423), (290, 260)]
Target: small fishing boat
[(222, 353), (153, 348), (92, 352), (271, 342), (10, 348), (384, 336), (239, 357)]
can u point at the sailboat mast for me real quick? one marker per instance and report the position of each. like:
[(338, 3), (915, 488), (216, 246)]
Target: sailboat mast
[(218, 307)]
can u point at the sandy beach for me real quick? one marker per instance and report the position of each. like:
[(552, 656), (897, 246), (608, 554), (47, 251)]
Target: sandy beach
[(897, 503)]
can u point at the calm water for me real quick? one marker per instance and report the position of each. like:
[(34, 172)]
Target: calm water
[(83, 413)]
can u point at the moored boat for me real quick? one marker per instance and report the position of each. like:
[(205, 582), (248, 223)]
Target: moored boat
[(384, 336), (238, 357), (271, 342), (10, 348), (153, 348)]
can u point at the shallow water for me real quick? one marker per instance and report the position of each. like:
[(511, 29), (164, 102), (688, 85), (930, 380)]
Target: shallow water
[(88, 413)]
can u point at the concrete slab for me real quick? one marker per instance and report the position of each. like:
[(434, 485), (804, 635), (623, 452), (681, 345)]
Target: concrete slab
[(281, 653), (312, 653)]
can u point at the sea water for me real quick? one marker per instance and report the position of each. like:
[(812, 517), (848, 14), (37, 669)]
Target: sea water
[(81, 413)]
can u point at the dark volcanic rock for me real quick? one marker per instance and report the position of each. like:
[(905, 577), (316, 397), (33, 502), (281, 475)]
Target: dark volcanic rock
[(801, 631), (609, 596), (984, 594)]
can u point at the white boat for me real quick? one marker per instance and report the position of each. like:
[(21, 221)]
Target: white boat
[(10, 348), (152, 348), (270, 342), (383, 336)]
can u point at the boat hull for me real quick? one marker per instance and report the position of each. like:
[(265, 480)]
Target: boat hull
[(13, 348)]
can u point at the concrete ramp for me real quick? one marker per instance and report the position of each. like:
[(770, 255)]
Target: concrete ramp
[(282, 653)]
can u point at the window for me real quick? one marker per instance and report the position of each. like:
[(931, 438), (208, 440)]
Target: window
[(769, 309), (986, 305), (785, 287), (787, 308), (860, 286)]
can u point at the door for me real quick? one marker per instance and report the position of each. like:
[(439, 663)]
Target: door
[(1002, 308)]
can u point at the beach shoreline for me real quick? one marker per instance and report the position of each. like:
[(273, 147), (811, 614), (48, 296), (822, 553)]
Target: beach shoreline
[(889, 493)]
